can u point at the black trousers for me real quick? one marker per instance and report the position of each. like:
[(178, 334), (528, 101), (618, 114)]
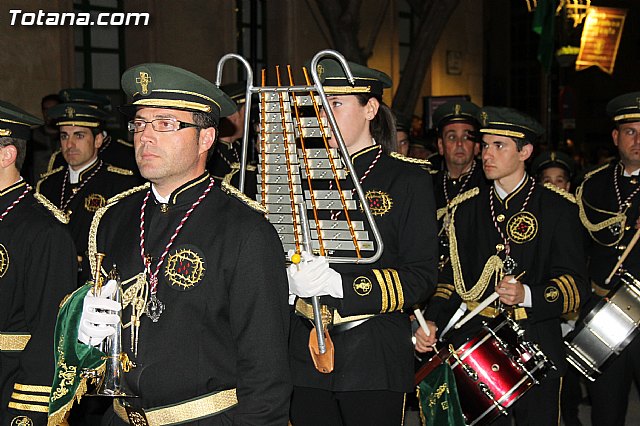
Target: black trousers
[(540, 406), (609, 394), (317, 407)]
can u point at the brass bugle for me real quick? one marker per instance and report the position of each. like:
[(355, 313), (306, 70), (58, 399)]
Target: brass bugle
[(97, 283)]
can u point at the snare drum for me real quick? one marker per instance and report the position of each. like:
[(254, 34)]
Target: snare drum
[(607, 330), (493, 370)]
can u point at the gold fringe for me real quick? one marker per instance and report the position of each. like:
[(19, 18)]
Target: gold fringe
[(560, 192), (232, 190), (57, 213)]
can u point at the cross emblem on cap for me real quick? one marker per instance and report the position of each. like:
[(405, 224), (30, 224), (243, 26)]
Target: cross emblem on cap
[(69, 111), (457, 109), (638, 102), (483, 118), (320, 71), (144, 81)]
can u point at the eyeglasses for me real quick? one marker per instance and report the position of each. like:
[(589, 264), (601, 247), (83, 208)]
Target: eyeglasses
[(159, 125)]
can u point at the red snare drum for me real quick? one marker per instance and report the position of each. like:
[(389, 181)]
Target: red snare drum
[(493, 370)]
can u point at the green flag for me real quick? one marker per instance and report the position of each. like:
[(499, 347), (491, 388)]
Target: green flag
[(438, 396), (72, 358), (544, 20)]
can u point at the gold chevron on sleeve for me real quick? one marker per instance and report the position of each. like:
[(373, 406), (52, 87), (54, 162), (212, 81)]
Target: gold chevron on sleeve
[(565, 296), (399, 290), (383, 291), (30, 398), (29, 407), (392, 294), (32, 388)]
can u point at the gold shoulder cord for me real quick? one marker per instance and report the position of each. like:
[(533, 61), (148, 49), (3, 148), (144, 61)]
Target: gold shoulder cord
[(620, 218), (457, 200), (421, 162), (560, 191), (493, 267), (232, 190), (57, 213), (95, 222)]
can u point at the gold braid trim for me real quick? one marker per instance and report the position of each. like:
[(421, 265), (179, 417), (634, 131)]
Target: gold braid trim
[(57, 213), (560, 192), (52, 160), (119, 170), (593, 172), (620, 218), (95, 222), (232, 190), (457, 200), (401, 157), (51, 172), (491, 268)]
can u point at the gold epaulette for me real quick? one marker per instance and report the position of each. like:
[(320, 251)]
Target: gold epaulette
[(466, 195), (51, 172), (560, 192), (418, 161), (119, 170), (593, 172), (52, 160), (95, 222), (125, 143), (232, 190), (57, 213)]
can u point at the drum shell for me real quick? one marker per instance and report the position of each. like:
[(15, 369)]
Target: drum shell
[(606, 330)]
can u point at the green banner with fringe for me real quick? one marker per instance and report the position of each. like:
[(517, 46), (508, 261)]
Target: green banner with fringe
[(438, 396)]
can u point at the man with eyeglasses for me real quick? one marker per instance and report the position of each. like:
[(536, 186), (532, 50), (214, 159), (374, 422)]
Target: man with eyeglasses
[(203, 274), (86, 182)]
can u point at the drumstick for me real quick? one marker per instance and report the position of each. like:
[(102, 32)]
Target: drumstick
[(421, 321), (632, 243), (486, 302)]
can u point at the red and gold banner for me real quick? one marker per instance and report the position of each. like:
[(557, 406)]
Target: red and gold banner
[(601, 38)]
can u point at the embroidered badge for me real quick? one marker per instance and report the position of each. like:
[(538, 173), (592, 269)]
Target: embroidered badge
[(551, 294), (4, 260), (379, 202), (362, 286), (21, 421), (185, 268), (93, 202), (70, 112), (522, 227), (136, 418), (144, 81)]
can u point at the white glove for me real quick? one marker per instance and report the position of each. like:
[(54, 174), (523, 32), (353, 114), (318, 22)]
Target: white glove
[(313, 277), (99, 315)]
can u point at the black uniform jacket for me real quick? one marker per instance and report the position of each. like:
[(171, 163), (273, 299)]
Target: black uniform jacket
[(223, 282), (37, 269), (96, 185), (378, 354), (224, 165), (599, 203), (550, 253)]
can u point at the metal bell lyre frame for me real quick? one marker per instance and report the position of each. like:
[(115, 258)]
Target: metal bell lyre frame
[(316, 87)]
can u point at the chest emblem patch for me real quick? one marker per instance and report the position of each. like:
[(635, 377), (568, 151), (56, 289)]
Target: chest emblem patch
[(185, 268), (362, 286), (21, 421), (379, 202), (4, 260), (522, 227), (93, 202)]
